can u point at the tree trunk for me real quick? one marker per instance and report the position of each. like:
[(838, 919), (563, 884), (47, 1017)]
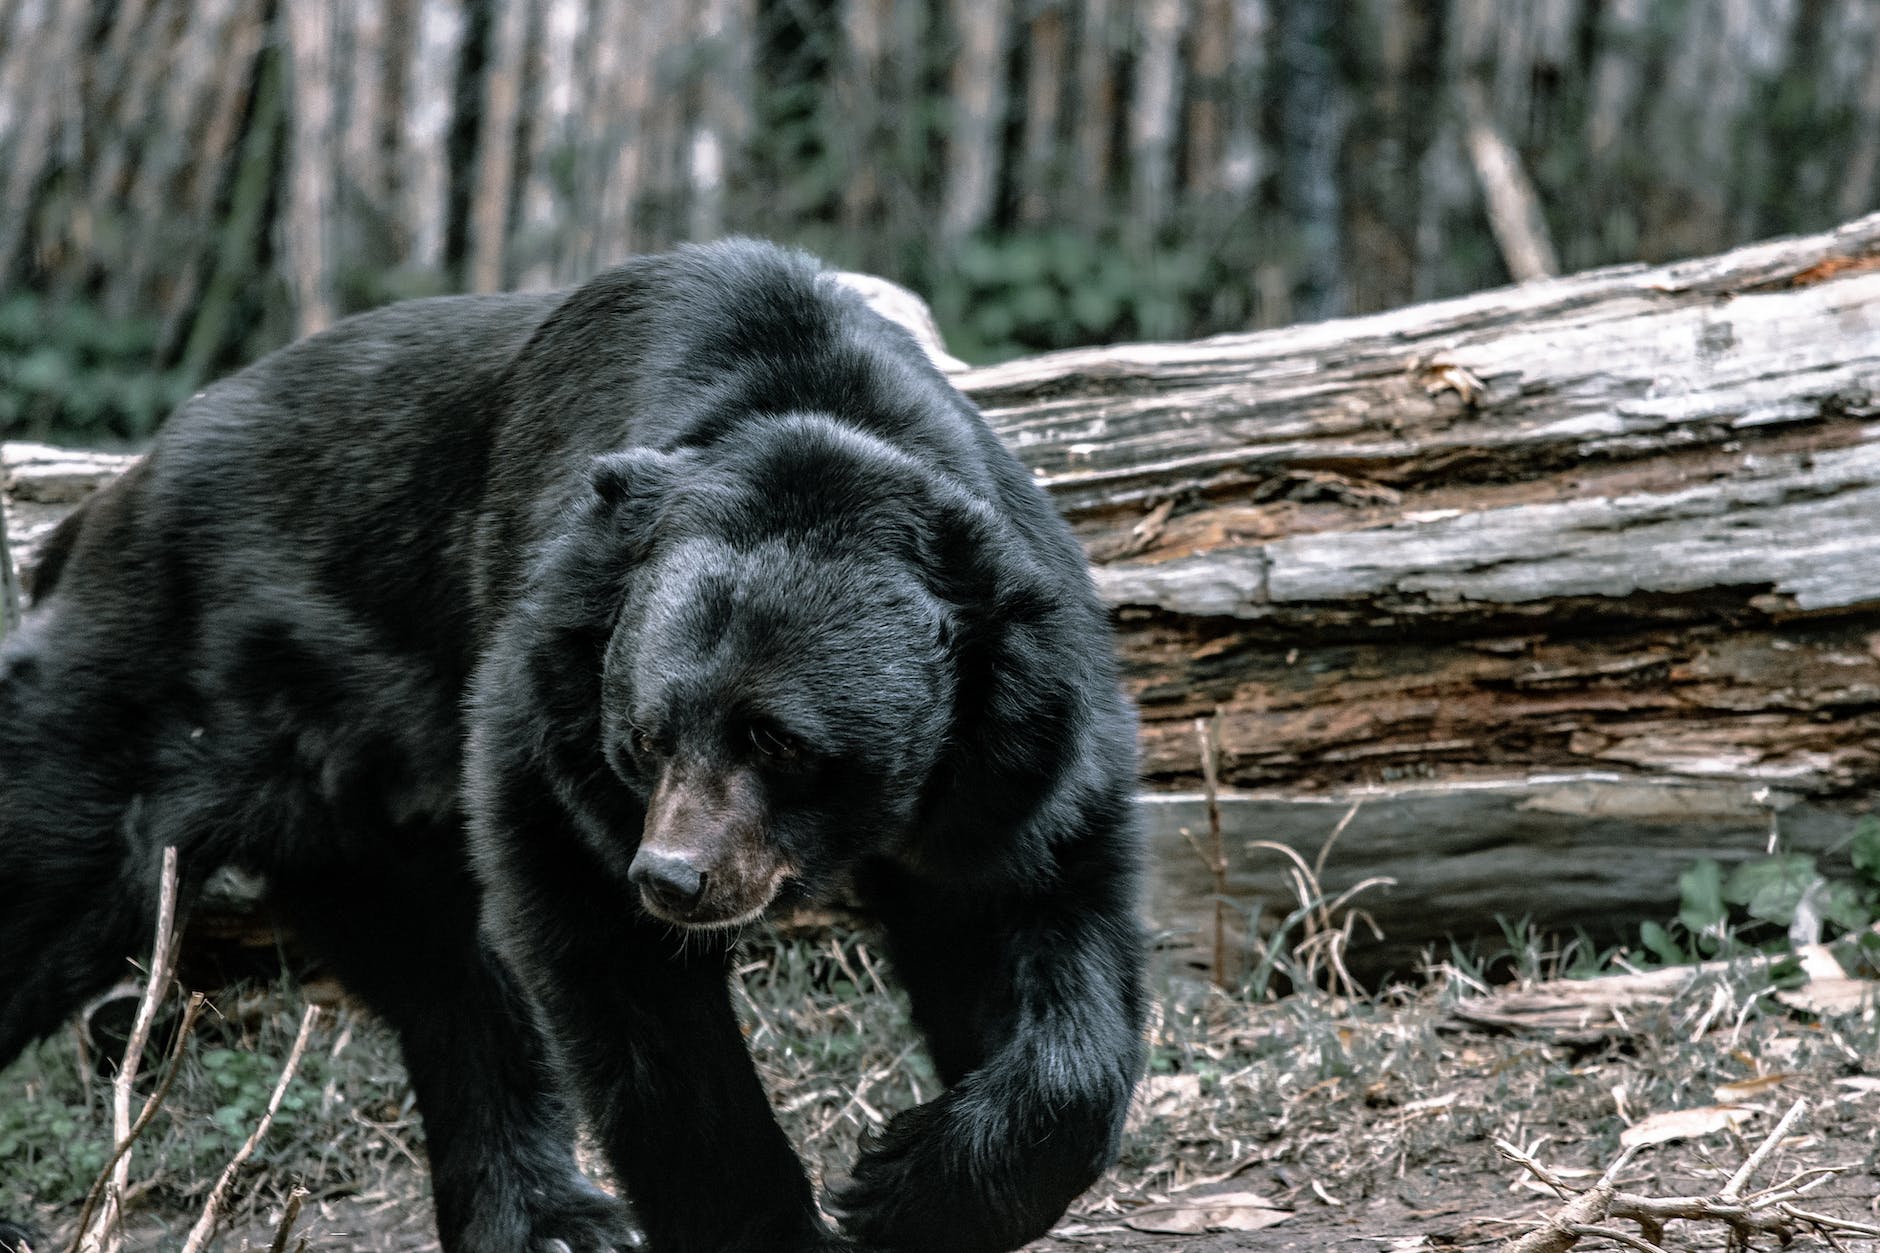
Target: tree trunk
[(309, 220), (1562, 584), (978, 104)]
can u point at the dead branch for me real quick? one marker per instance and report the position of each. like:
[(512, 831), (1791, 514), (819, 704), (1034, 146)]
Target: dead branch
[(288, 1217), (1770, 1212), (9, 589), (1586, 1011), (119, 1153), (212, 1208), (1208, 731), (1514, 207), (104, 1233)]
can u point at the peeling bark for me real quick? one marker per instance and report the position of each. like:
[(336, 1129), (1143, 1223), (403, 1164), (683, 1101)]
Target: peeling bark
[(1616, 521)]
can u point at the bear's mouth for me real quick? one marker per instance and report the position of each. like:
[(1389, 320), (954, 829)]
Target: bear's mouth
[(696, 922)]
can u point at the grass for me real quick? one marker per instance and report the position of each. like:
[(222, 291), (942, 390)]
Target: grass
[(1320, 1100), (346, 1124)]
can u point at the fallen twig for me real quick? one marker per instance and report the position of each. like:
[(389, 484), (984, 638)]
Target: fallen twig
[(288, 1217), (1769, 1212), (171, 1066), (102, 1232), (1208, 731), (212, 1208)]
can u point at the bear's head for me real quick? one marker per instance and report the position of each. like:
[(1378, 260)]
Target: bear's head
[(782, 686)]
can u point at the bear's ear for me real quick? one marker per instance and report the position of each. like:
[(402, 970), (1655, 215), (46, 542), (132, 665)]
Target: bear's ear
[(633, 475), (1013, 632), (973, 559), (632, 489)]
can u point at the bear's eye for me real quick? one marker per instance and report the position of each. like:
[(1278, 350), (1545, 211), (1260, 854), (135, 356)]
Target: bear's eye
[(642, 742), (775, 743)]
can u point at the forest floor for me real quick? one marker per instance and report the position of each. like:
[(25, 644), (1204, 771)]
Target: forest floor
[(1308, 1121)]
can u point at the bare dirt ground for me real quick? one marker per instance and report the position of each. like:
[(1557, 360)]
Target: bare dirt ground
[(1344, 1123)]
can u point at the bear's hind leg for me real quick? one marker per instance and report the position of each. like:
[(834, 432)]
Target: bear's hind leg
[(74, 901), (400, 931), (65, 936)]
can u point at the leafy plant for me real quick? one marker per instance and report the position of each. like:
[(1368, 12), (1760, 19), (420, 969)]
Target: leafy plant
[(52, 1142), (68, 371), (1765, 902), (243, 1080), (1055, 289)]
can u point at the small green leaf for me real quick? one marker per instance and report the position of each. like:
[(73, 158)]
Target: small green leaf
[(1865, 849), (1700, 892), (1771, 887), (1844, 904), (1787, 972), (1662, 946)]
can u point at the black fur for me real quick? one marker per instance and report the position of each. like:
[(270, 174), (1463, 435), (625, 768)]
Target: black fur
[(697, 579)]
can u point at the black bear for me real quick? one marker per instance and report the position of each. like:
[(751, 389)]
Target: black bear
[(529, 645)]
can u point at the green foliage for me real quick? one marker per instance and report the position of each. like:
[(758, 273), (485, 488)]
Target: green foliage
[(1756, 904), (69, 372), (242, 1081), (55, 1124), (1864, 847), (53, 1137), (1056, 289)]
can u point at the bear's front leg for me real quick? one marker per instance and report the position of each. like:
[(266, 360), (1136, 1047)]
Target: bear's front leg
[(1033, 1010), (647, 1038)]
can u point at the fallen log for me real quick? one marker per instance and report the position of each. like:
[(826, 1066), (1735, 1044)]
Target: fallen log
[(1569, 582)]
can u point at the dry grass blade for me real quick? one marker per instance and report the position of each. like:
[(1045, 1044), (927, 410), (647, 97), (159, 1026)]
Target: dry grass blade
[(1326, 936), (211, 1209)]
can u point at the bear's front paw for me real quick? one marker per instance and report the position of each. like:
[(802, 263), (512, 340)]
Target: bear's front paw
[(584, 1220), (924, 1187), (19, 1238), (962, 1175)]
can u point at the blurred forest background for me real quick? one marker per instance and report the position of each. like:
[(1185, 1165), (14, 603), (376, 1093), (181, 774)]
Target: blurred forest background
[(185, 184)]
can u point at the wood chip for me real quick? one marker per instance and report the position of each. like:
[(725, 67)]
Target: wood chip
[(1685, 1124), (1224, 1211)]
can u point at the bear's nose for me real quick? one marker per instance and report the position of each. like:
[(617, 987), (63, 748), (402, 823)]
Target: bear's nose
[(672, 885)]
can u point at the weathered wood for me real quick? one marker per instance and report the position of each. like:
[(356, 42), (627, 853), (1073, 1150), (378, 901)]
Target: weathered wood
[(42, 484), (1610, 521), (1599, 852), (1570, 582), (1634, 1005)]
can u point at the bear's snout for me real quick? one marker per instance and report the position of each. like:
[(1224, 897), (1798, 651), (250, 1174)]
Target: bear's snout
[(705, 857)]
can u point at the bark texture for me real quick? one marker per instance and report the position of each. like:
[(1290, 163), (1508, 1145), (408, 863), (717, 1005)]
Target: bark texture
[(1566, 583), (1621, 521)]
